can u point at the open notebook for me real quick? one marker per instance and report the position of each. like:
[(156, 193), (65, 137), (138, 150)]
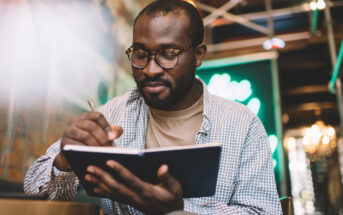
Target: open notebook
[(195, 167)]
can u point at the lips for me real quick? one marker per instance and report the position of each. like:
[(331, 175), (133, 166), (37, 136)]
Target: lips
[(154, 87)]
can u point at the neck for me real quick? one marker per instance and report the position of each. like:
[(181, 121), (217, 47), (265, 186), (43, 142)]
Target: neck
[(192, 96)]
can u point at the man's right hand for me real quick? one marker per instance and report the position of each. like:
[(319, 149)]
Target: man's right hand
[(90, 129)]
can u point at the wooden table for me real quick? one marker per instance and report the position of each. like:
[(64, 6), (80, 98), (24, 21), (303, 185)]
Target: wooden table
[(44, 207)]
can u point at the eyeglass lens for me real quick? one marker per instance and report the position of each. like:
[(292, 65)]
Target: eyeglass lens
[(141, 59)]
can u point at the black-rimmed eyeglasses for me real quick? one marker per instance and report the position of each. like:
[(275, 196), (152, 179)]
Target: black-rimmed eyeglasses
[(165, 58)]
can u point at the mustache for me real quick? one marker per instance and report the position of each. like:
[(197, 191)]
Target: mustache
[(148, 82)]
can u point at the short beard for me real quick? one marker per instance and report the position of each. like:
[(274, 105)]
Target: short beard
[(177, 94)]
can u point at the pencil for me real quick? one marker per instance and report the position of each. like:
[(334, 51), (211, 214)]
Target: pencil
[(91, 104), (108, 129)]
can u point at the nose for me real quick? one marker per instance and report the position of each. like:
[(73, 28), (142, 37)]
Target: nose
[(152, 69)]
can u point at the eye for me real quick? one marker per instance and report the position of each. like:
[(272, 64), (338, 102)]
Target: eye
[(169, 53), (140, 54)]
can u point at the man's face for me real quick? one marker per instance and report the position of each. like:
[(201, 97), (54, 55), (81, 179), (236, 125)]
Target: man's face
[(164, 88)]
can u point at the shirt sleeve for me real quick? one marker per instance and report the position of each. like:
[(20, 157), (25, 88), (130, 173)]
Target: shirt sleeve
[(255, 188), (43, 178)]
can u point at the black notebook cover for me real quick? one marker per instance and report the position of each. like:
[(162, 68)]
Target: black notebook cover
[(195, 167)]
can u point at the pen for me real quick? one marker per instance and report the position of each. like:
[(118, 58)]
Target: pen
[(108, 129), (91, 104)]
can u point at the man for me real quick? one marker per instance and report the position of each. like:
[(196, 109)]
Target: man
[(169, 107)]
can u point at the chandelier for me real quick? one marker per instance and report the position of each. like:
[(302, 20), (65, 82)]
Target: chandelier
[(319, 140)]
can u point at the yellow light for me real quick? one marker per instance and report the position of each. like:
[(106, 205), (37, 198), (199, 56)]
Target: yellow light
[(306, 141), (291, 143), (315, 134), (191, 2), (325, 140), (331, 132), (315, 128), (307, 137), (307, 132), (319, 138)]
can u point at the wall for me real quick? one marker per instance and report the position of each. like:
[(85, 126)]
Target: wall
[(54, 56)]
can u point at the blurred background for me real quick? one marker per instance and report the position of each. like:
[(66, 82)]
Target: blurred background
[(281, 58)]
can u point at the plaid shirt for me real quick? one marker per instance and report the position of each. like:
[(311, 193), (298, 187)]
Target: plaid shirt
[(245, 185)]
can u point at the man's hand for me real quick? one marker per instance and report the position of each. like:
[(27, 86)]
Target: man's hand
[(90, 129), (148, 198)]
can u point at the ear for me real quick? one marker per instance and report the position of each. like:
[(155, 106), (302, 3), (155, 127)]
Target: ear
[(200, 53)]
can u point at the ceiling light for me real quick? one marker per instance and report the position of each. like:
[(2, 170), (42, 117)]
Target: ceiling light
[(274, 43), (321, 4), (317, 5), (313, 5)]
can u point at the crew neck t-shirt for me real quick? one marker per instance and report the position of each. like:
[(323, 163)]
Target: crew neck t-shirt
[(174, 128)]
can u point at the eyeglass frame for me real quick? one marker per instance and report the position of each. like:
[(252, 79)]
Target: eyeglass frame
[(149, 55)]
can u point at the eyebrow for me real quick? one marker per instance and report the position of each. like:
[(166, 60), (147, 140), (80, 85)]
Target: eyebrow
[(162, 46)]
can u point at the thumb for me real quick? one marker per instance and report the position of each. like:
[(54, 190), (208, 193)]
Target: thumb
[(117, 130), (168, 181), (114, 132)]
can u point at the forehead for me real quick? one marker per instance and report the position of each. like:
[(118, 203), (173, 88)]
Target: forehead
[(162, 29)]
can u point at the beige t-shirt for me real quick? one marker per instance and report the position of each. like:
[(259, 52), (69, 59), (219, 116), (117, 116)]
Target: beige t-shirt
[(174, 128)]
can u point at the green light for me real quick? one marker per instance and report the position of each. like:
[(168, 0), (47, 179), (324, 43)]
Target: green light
[(314, 20), (221, 85), (254, 105), (273, 141), (238, 60), (243, 90), (236, 77), (336, 70)]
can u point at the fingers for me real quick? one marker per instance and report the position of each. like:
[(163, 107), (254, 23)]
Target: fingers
[(86, 132), (150, 199), (130, 179), (95, 172), (69, 141), (98, 118), (169, 182), (91, 129), (108, 186)]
